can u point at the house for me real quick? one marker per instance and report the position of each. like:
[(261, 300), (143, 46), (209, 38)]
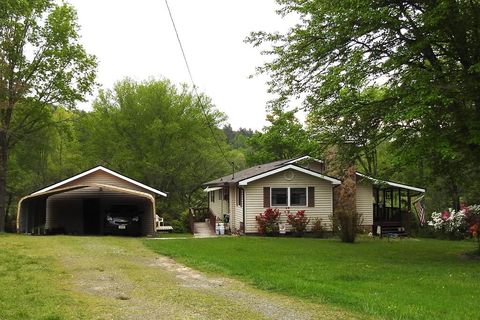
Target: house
[(301, 184), (80, 204)]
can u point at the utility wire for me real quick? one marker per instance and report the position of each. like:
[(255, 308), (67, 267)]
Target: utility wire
[(195, 87)]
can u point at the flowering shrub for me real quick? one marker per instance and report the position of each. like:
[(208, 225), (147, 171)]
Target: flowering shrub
[(473, 218), (298, 221), (451, 222), (268, 221), (457, 224)]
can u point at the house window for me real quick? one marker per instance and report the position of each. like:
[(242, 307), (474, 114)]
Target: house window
[(298, 196), (240, 197), (295, 197), (212, 196), (279, 197), (225, 194)]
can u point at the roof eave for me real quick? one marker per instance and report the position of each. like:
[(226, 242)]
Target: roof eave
[(245, 182), (100, 168)]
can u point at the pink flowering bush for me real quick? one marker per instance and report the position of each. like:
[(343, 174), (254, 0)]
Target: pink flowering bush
[(457, 224), (473, 219), (298, 221), (450, 222), (268, 221)]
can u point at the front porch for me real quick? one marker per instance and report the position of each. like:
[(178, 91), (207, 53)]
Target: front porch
[(392, 210)]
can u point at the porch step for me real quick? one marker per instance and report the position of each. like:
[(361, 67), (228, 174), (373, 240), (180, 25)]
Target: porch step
[(393, 231), (202, 230)]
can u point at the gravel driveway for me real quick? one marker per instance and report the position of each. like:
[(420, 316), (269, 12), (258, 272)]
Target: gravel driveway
[(129, 281)]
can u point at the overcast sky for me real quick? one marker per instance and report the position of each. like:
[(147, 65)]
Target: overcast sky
[(136, 39)]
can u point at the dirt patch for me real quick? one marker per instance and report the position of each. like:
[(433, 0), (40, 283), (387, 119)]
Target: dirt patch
[(187, 277), (269, 306)]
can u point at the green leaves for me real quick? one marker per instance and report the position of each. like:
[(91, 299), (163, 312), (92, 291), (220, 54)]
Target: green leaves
[(284, 138), (405, 72), (157, 133)]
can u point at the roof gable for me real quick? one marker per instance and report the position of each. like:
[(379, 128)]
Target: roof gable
[(246, 181), (100, 169), (244, 174)]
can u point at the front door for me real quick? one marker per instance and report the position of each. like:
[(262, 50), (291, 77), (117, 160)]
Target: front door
[(91, 216)]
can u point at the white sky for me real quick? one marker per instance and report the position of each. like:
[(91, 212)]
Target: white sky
[(136, 39)]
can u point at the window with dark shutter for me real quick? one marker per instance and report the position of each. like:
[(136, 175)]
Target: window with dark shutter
[(240, 197), (311, 196), (266, 197), (298, 197)]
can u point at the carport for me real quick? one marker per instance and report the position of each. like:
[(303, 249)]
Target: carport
[(80, 206)]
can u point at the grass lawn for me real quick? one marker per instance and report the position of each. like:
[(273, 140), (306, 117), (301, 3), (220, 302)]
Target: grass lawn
[(34, 286), (401, 279), (73, 277)]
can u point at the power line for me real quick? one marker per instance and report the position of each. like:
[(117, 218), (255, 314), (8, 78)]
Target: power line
[(204, 112)]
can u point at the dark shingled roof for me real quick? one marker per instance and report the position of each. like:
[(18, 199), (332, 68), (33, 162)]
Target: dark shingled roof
[(246, 173)]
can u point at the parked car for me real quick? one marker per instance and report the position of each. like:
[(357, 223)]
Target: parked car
[(123, 220)]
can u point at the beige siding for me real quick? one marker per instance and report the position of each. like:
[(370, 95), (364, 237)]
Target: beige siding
[(220, 206), (364, 201), (254, 197), (238, 212), (233, 204), (65, 210), (100, 177)]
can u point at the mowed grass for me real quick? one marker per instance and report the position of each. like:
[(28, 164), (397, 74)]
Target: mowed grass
[(401, 279), (34, 286)]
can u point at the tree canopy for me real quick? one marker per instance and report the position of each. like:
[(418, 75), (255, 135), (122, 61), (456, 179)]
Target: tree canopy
[(422, 56), (42, 65), (284, 138)]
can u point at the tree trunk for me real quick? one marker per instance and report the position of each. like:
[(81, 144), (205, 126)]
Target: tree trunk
[(3, 179)]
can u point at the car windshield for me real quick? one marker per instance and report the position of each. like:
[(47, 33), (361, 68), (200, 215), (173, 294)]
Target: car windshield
[(123, 211)]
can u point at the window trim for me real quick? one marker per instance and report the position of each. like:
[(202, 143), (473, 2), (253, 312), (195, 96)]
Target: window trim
[(289, 204), (290, 198)]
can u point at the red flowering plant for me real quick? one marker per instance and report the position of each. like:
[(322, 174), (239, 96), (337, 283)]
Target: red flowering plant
[(268, 221), (298, 221), (473, 219)]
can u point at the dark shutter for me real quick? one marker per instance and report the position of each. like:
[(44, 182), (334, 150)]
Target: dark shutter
[(266, 197), (311, 196)]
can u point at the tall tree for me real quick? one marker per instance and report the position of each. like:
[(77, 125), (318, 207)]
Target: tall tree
[(283, 138), (42, 64), (426, 54), (157, 133)]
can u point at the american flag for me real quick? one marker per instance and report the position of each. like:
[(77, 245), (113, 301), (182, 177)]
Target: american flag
[(420, 208)]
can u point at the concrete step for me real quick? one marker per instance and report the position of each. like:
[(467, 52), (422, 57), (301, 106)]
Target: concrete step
[(202, 229)]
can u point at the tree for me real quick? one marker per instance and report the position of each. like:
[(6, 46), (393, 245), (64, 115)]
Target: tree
[(158, 134), (424, 54), (284, 138), (42, 65)]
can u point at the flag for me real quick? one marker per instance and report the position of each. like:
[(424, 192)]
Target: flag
[(420, 208)]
